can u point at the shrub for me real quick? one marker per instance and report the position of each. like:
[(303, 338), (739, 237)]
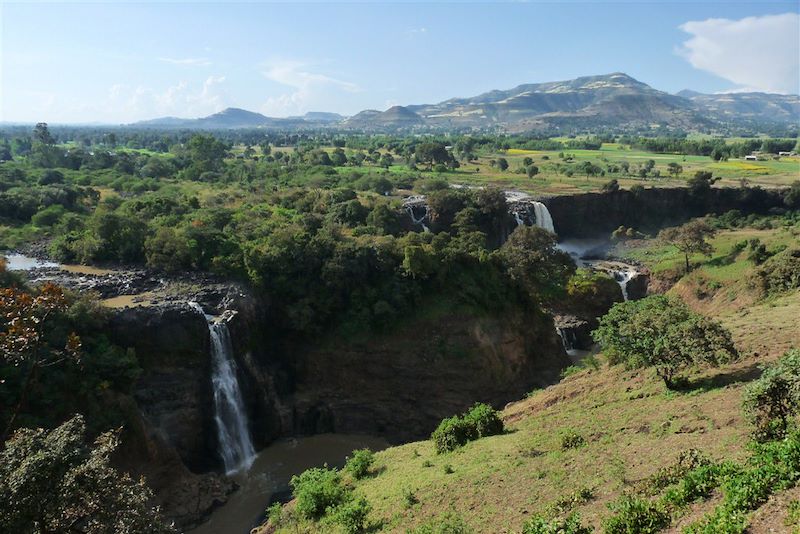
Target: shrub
[(409, 498), (570, 439), (451, 434), (698, 483), (49, 216), (484, 419), (480, 421), (771, 401), (351, 516), (780, 273), (316, 490), (359, 464), (449, 523), (634, 515), (568, 525)]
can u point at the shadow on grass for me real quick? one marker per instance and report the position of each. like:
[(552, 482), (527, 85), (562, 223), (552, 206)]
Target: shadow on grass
[(720, 380)]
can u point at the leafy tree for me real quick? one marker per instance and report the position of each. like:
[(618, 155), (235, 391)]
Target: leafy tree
[(674, 169), (792, 196), (432, 152), (662, 332), (611, 186), (41, 134), (23, 337), (50, 481), (700, 184), (531, 171), (689, 238), (532, 259), (502, 164), (167, 250)]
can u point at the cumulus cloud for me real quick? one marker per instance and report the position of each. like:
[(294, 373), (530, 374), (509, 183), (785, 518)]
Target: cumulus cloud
[(126, 103), (755, 53), (307, 87)]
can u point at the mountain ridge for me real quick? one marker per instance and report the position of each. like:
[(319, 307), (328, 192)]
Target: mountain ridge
[(614, 100)]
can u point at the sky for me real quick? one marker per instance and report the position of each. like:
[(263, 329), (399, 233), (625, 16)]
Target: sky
[(119, 62)]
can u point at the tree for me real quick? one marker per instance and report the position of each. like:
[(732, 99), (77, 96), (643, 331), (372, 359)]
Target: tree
[(532, 259), (662, 332), (23, 337), (41, 134), (689, 238), (611, 186), (502, 164), (701, 183), (51, 481), (338, 157), (674, 169), (432, 152), (532, 170)]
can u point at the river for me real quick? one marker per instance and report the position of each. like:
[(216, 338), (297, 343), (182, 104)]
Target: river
[(270, 473)]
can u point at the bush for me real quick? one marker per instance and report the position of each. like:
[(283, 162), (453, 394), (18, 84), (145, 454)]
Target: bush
[(351, 516), (449, 523), (316, 490), (780, 273), (771, 401), (49, 216), (485, 420), (359, 464), (570, 439), (634, 515), (480, 421), (568, 525)]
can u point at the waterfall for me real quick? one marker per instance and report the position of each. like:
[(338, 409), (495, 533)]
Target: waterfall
[(623, 277), (414, 202), (543, 218), (233, 432), (567, 338)]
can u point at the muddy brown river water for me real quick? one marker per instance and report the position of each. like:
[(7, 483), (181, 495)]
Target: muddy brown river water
[(271, 472)]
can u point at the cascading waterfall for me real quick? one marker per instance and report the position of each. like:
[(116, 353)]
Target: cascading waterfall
[(543, 218), (417, 202), (567, 338), (622, 278), (233, 431)]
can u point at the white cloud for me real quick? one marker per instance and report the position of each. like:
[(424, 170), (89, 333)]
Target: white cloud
[(186, 62), (127, 103), (307, 87), (755, 53)]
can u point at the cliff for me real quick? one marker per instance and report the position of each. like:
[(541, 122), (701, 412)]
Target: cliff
[(599, 214)]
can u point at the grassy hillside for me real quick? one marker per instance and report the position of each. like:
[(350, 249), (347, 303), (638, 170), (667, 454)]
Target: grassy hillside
[(605, 431)]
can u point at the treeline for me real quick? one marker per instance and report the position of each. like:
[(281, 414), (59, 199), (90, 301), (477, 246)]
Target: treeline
[(717, 149)]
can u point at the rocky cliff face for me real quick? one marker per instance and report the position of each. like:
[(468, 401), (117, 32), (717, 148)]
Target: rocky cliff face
[(599, 214), (400, 385)]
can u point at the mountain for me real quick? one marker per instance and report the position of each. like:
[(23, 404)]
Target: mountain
[(761, 107), (611, 101), (232, 118), (392, 118)]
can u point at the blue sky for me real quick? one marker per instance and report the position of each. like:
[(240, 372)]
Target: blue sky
[(120, 62)]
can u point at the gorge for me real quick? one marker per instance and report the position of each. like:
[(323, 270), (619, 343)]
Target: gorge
[(220, 381)]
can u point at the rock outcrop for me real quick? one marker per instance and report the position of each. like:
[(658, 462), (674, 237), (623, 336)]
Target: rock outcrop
[(599, 214)]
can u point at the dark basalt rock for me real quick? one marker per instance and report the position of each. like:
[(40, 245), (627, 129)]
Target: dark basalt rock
[(599, 214)]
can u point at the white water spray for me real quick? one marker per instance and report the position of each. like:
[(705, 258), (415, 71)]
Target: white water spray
[(233, 431)]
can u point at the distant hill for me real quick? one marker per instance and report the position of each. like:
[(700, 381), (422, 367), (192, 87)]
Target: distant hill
[(394, 117), (615, 101), (763, 107)]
